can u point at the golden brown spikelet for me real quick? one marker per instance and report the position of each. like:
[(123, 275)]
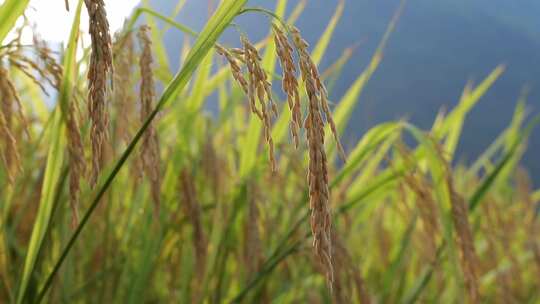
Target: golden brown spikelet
[(289, 83), (8, 149), (260, 88), (309, 71), (123, 98), (49, 69), (150, 144), (468, 257), (234, 64), (77, 164), (318, 171), (100, 66)]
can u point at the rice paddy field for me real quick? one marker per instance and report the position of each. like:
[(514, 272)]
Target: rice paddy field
[(119, 185)]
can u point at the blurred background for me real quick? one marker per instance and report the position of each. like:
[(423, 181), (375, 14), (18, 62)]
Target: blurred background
[(436, 48)]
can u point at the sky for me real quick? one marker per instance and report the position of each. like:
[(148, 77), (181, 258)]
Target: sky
[(425, 67), (53, 22)]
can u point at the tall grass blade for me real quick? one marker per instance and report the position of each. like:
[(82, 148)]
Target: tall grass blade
[(490, 179), (10, 11)]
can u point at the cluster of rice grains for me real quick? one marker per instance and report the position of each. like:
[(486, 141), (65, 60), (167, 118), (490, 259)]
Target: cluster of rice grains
[(13, 122), (9, 102), (318, 115), (100, 66), (150, 145)]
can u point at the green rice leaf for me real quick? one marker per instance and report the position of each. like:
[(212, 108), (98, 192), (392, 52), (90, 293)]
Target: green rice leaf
[(10, 11)]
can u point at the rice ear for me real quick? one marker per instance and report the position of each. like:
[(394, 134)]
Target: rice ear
[(260, 88), (77, 164), (8, 149), (100, 66), (150, 158), (318, 172), (123, 97), (289, 83)]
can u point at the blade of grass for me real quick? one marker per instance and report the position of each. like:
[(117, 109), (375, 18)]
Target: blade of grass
[(489, 180), (346, 105), (320, 49), (10, 11), (455, 120)]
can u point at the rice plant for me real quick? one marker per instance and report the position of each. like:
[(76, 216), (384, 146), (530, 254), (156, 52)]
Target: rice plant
[(122, 192)]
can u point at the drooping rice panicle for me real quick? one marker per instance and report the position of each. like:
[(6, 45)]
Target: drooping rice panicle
[(289, 82), (260, 88), (100, 66), (317, 172), (319, 87), (8, 149), (123, 98), (150, 145), (77, 163), (234, 65)]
